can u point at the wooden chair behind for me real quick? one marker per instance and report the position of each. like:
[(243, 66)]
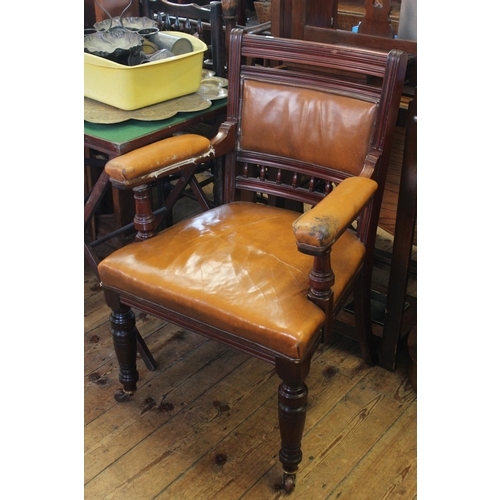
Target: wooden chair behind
[(204, 21)]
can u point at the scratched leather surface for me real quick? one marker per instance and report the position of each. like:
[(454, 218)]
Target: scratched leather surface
[(323, 225), (154, 156), (310, 125), (236, 267)]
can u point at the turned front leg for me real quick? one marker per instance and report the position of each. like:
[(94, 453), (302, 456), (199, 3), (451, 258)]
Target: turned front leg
[(292, 406), (124, 333)]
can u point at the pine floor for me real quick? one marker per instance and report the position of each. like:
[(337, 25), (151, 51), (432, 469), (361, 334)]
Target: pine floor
[(204, 425)]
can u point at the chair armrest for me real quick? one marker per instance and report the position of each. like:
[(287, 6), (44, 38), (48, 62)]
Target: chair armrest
[(320, 227), (156, 160), (168, 156), (225, 139)]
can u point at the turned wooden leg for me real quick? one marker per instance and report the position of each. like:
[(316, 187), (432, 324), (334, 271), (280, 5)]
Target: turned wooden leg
[(230, 12), (124, 333), (125, 343), (362, 310), (292, 405), (321, 280)]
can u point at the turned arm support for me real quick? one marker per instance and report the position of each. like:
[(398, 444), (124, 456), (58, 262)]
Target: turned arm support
[(318, 229), (183, 153)]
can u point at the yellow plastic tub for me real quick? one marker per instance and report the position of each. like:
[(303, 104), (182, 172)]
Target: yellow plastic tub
[(134, 87)]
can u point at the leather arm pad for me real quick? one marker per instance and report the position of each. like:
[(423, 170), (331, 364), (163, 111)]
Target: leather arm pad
[(157, 159), (321, 226)]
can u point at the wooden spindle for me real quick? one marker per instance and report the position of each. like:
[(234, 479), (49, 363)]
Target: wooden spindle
[(262, 174), (278, 176), (199, 28), (144, 219)]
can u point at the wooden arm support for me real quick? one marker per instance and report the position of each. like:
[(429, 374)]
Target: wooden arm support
[(318, 229), (179, 154)]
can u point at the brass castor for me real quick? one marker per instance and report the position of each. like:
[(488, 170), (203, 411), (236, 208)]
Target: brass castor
[(122, 396), (288, 482)]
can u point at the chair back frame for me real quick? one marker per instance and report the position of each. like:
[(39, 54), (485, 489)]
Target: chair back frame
[(384, 71), (196, 19)]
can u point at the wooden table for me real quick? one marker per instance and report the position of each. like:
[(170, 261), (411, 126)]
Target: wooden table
[(120, 138)]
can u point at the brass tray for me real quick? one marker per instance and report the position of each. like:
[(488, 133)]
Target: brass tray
[(211, 89)]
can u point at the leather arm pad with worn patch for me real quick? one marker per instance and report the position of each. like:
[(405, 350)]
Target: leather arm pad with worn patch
[(324, 224), (165, 156)]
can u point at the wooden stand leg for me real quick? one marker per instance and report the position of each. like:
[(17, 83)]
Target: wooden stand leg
[(95, 197), (230, 11), (218, 173), (242, 18), (145, 353), (403, 241), (123, 207), (88, 186), (362, 308)]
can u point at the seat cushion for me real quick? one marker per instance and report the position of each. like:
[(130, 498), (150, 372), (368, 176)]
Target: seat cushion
[(237, 268)]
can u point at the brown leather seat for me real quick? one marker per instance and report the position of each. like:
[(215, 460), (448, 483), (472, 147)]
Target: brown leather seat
[(250, 273), (216, 275)]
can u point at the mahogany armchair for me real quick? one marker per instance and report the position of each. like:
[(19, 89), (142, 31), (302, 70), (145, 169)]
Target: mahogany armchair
[(258, 277)]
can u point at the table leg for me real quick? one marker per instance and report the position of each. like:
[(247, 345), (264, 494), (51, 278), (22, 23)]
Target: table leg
[(91, 205), (123, 206), (403, 241)]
